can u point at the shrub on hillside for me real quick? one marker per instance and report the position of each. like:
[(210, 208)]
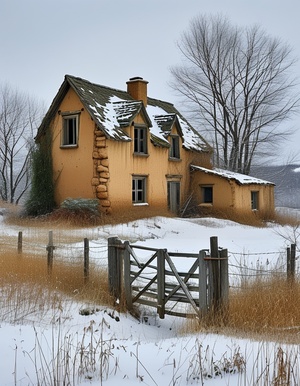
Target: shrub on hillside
[(78, 211)]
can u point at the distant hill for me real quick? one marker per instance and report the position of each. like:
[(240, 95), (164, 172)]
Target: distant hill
[(287, 181)]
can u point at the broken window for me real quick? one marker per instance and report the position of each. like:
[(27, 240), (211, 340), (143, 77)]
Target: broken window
[(70, 130)]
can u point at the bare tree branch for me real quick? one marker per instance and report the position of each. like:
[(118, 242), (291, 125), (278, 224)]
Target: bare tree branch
[(238, 86), (19, 119)]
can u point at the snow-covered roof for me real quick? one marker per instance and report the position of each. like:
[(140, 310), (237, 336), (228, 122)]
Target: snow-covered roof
[(241, 179), (113, 109)]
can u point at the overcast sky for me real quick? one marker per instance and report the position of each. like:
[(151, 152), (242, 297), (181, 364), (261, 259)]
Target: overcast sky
[(110, 41)]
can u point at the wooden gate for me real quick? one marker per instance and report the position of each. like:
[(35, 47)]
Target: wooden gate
[(180, 284)]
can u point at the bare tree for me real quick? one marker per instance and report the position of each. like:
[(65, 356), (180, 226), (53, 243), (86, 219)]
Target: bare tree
[(19, 118), (238, 85)]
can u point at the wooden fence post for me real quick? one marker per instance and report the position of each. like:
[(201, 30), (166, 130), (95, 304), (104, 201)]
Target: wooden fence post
[(288, 262), (215, 264), (224, 284), (127, 277), (291, 262), (86, 258), (210, 284), (50, 249), (114, 267), (203, 295), (20, 242), (161, 283)]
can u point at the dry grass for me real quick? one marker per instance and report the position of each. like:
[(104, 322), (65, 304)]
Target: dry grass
[(268, 307), (264, 310), (24, 278), (67, 219), (121, 216), (286, 219), (256, 218), (27, 287), (64, 218)]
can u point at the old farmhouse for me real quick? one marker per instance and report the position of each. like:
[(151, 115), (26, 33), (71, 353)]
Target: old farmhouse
[(129, 150)]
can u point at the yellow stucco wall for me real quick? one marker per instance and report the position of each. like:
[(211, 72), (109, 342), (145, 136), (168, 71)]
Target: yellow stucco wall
[(229, 195), (265, 197), (77, 170), (123, 164), (73, 167)]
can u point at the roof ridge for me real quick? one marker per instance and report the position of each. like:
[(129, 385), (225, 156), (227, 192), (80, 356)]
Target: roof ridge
[(160, 100), (115, 89), (67, 76)]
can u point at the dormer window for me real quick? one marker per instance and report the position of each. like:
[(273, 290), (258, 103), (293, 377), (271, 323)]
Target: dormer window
[(70, 130), (174, 148), (140, 140)]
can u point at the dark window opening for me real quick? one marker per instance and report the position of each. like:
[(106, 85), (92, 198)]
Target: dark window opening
[(140, 140), (70, 130), (207, 194), (174, 149), (254, 200)]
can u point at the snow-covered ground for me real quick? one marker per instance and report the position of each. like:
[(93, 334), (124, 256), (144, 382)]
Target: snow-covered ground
[(107, 348)]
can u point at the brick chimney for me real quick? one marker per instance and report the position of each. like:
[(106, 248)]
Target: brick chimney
[(137, 88)]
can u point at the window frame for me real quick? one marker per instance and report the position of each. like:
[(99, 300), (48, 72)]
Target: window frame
[(254, 199), (66, 130), (137, 191), (140, 143), (174, 153), (204, 197)]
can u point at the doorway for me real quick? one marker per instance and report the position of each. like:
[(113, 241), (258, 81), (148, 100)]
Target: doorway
[(174, 196)]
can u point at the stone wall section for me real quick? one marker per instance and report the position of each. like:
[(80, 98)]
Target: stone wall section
[(101, 171)]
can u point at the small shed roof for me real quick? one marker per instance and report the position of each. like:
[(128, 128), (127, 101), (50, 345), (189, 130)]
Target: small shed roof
[(240, 179)]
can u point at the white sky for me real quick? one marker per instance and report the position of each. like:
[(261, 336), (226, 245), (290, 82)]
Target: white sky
[(110, 41)]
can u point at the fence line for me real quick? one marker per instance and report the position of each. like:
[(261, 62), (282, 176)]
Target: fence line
[(52, 249), (252, 253), (21, 242), (51, 252)]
